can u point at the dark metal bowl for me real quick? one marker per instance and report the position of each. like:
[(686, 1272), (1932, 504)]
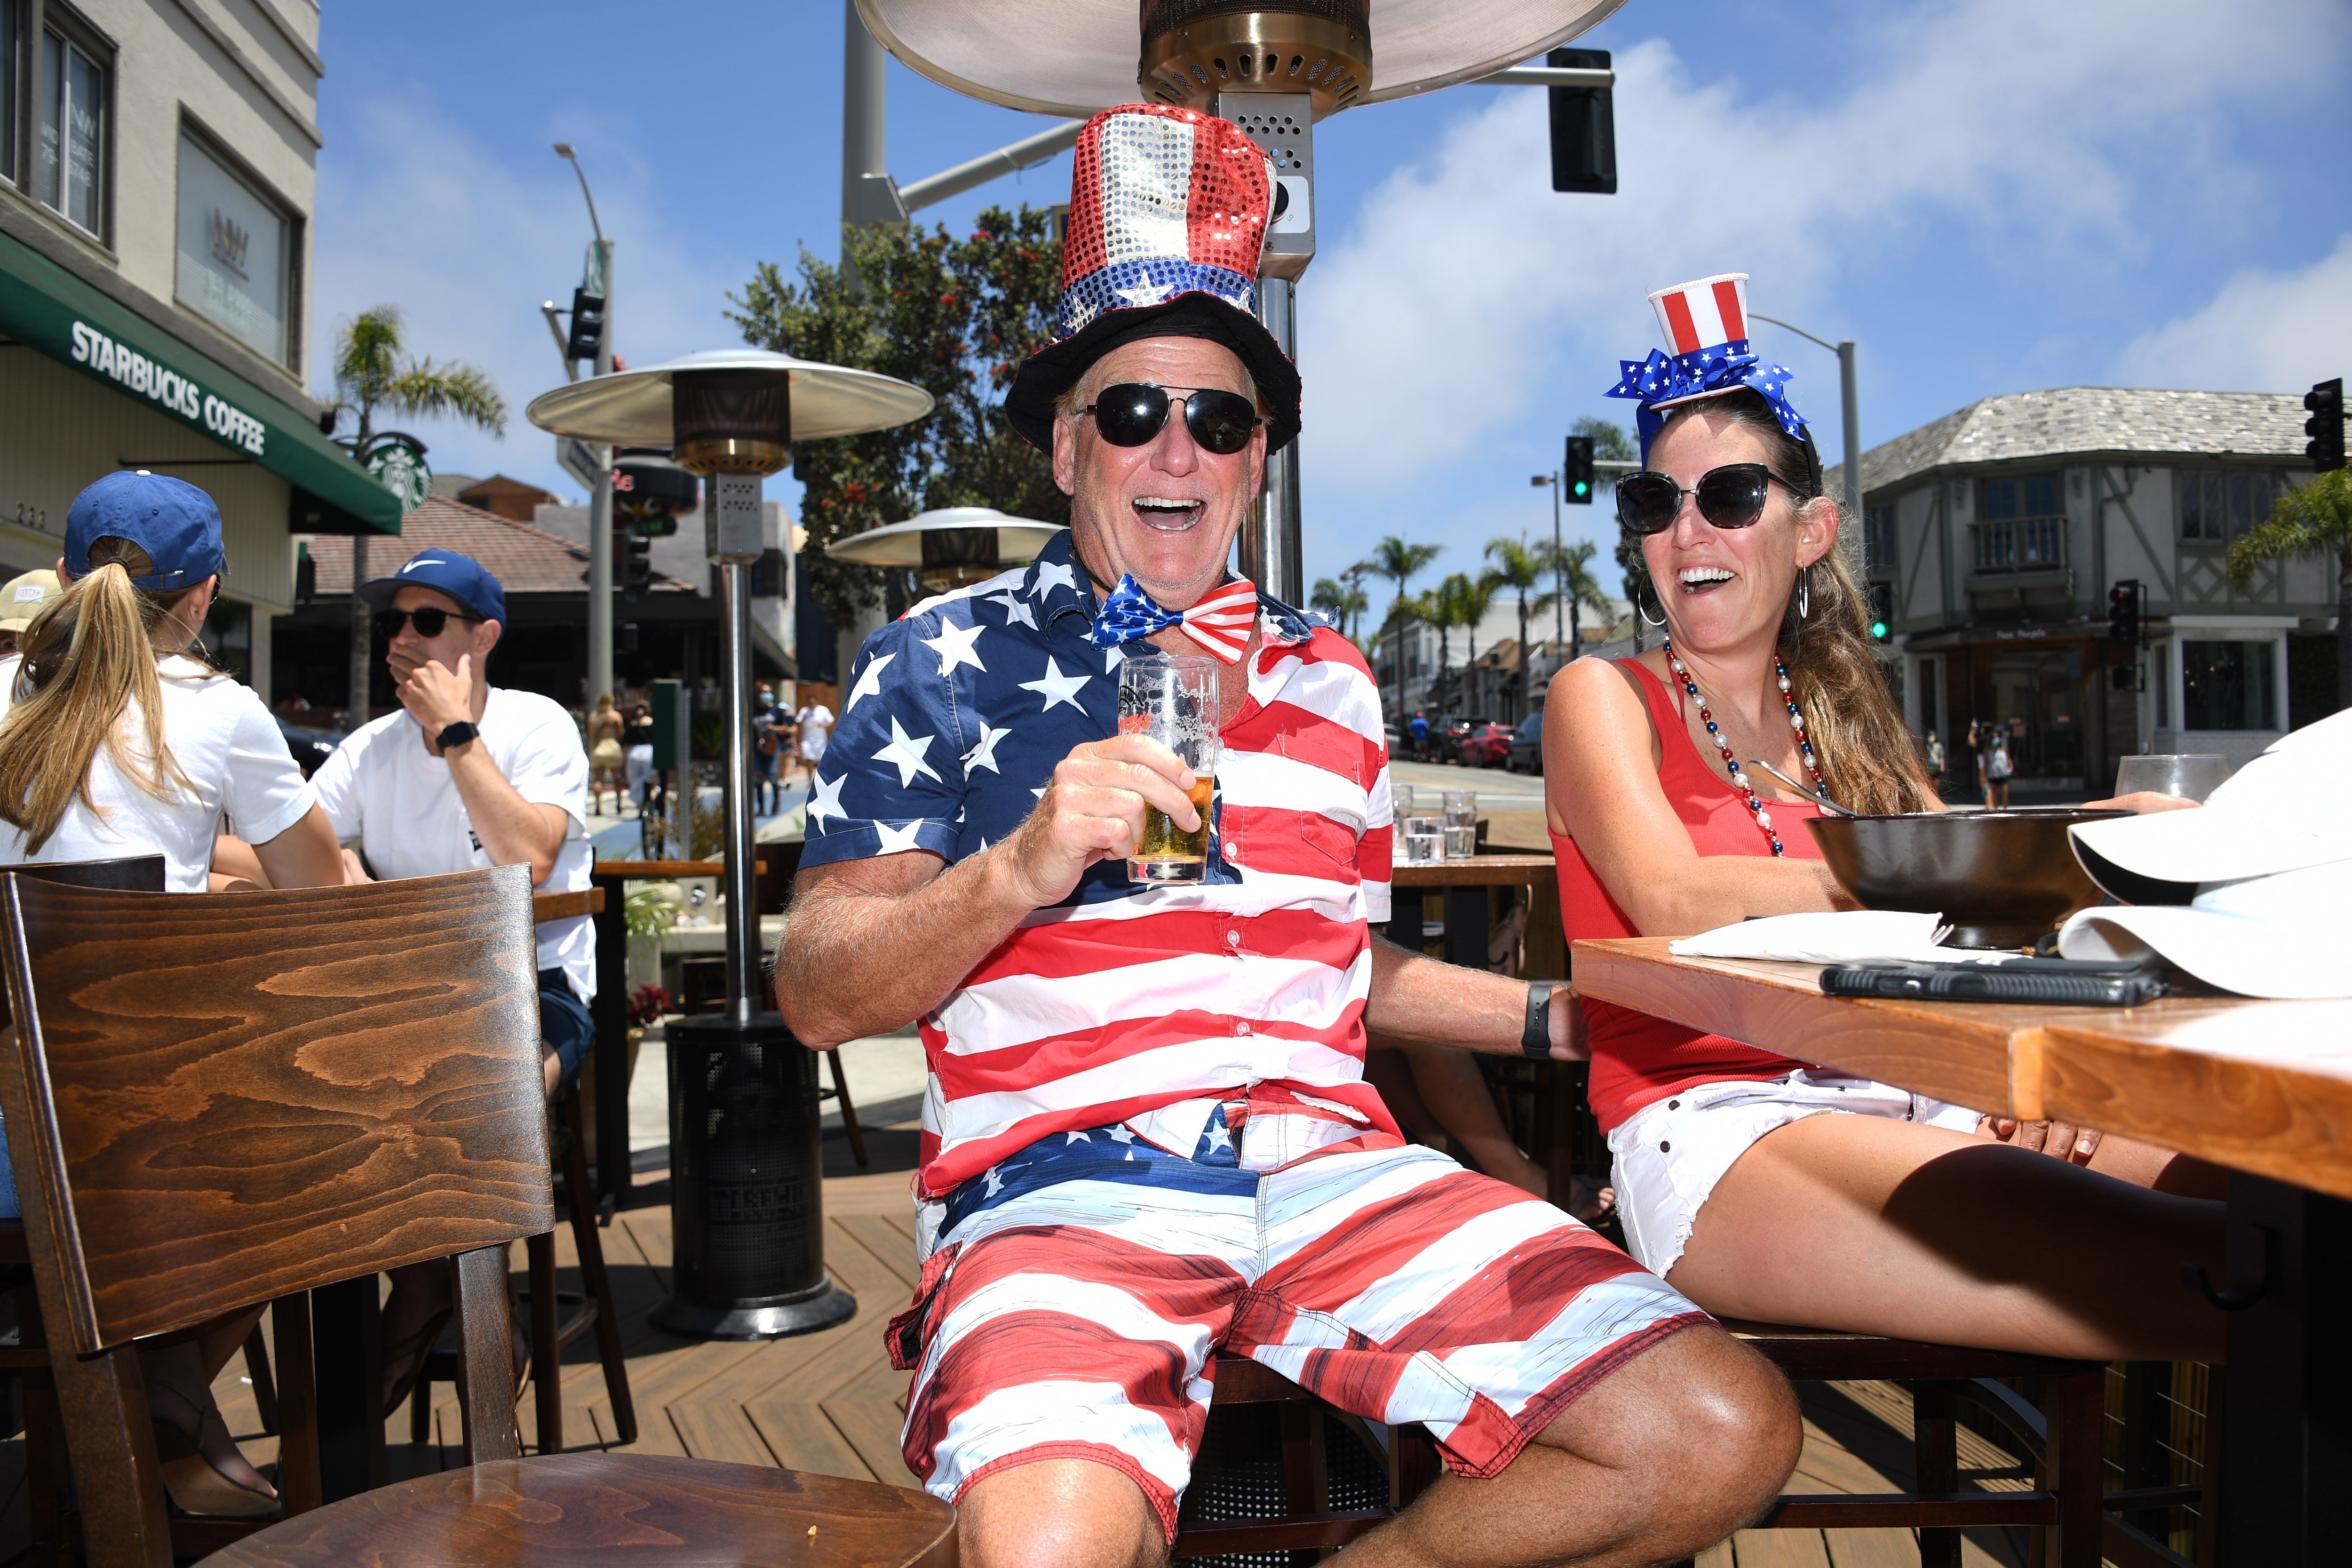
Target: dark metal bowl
[(2000, 878)]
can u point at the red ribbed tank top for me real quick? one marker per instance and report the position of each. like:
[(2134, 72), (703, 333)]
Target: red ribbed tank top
[(1637, 1058)]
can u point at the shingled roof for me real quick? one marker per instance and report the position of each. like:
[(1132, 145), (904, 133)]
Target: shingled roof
[(2088, 421), (524, 559)]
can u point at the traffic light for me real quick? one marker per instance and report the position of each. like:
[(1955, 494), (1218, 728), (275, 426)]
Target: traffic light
[(2325, 426), (2123, 611), (1881, 610), (637, 563), (1583, 127), (587, 325), (1576, 475)]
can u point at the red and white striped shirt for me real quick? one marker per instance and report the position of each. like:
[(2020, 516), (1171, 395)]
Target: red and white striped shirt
[(1125, 1003)]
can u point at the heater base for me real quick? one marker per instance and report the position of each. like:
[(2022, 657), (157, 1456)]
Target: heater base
[(822, 1308)]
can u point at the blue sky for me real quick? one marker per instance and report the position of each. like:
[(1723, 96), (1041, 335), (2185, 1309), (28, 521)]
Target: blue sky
[(1988, 195)]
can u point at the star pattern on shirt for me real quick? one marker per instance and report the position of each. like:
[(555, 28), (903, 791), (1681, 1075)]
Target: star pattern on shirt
[(897, 840), (825, 800), (995, 1180), (868, 684), (1016, 613), (985, 755), (954, 646), (1113, 657), (905, 753), (1219, 1136), (1070, 1137), (1122, 1134), (1051, 573), (1055, 687)]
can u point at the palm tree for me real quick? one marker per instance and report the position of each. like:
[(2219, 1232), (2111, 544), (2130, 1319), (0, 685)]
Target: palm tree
[(1459, 601), (1358, 603), (2312, 521), (374, 371), (1572, 568), (1521, 568), (1400, 563)]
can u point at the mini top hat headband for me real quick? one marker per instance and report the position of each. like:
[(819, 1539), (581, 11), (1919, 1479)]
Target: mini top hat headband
[(1707, 322), (1168, 210)]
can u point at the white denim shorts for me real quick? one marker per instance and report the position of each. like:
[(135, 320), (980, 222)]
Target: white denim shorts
[(1670, 1153)]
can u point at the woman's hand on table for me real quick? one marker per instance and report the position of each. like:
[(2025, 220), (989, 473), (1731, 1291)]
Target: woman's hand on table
[(2142, 800), (2059, 1140)]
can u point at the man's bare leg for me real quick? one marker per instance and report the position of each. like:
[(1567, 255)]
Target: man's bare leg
[(1670, 1454), (1057, 1513)]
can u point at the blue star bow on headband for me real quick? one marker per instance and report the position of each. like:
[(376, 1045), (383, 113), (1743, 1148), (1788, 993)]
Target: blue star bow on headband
[(1665, 379)]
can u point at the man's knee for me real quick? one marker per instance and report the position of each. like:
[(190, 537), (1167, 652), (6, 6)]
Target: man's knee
[(1059, 1514), (1703, 1409)]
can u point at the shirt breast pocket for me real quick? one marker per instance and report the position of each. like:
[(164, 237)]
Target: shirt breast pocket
[(1333, 821)]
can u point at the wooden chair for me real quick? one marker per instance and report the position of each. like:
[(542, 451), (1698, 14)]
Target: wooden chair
[(215, 1102), (1306, 1519), (2065, 1436)]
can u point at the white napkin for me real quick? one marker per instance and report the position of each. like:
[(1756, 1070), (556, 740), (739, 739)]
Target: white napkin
[(1837, 936)]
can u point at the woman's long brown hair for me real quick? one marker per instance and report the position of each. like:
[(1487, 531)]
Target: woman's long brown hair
[(1865, 751), (87, 655)]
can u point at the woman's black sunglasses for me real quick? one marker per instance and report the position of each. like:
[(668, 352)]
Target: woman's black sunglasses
[(1133, 412), (1728, 497), (429, 621)]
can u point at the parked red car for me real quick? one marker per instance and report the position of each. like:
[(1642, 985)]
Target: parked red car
[(1486, 746)]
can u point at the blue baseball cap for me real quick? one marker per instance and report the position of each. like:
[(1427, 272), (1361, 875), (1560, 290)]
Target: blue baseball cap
[(461, 577), (175, 523)]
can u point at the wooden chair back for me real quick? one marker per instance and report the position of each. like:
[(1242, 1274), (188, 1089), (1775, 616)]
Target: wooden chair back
[(214, 1102), (136, 874)]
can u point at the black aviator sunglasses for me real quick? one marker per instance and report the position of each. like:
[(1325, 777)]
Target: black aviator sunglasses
[(429, 621), (1729, 497), (1131, 413)]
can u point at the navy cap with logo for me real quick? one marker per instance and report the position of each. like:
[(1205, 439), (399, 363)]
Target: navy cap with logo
[(175, 523), (461, 577)]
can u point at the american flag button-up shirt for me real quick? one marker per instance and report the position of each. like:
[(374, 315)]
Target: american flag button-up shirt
[(1123, 1005)]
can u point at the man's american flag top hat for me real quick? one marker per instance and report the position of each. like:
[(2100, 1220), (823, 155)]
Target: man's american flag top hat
[(1168, 211)]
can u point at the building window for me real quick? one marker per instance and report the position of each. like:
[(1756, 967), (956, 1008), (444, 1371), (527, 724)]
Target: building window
[(1878, 536), (2021, 524), (2216, 505), (228, 638), (235, 254), (73, 133), (2228, 686), (12, 70)]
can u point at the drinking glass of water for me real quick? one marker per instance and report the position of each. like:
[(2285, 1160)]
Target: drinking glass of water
[(2191, 776)]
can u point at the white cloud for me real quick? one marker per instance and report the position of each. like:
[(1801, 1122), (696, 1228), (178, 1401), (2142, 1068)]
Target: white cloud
[(2264, 331), (467, 240), (1466, 284)]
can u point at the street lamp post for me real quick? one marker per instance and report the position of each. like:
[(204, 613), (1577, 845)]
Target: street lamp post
[(1844, 352), (1559, 570), (600, 499)]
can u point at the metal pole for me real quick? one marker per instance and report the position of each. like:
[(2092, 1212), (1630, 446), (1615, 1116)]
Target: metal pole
[(357, 714), (1853, 434), (742, 883), (1270, 548), (600, 515), (863, 118), (1558, 581)]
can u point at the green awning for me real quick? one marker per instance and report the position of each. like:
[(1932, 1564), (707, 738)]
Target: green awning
[(45, 306)]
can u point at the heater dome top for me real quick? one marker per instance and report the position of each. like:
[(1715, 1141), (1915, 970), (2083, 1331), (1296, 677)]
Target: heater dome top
[(1078, 57), (632, 408), (1018, 539)]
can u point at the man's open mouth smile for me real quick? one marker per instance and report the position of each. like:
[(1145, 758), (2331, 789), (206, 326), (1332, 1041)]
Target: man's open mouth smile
[(1168, 514)]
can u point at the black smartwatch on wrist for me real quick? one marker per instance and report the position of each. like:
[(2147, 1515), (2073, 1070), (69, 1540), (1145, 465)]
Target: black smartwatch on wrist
[(1535, 1040), (456, 734)]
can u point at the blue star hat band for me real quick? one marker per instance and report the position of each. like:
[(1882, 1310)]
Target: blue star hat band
[(1707, 322)]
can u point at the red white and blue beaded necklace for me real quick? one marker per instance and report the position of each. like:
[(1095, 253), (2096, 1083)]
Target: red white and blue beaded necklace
[(1730, 762)]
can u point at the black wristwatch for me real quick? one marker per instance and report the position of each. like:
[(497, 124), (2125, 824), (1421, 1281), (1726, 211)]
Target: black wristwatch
[(456, 734), (1535, 1040)]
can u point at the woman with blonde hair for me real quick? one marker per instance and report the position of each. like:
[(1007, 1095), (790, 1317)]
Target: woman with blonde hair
[(115, 742), (1759, 1186)]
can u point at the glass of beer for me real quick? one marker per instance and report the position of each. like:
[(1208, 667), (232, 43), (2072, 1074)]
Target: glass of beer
[(1172, 697)]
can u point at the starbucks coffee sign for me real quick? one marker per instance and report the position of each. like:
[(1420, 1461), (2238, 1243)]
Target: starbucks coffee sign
[(397, 462)]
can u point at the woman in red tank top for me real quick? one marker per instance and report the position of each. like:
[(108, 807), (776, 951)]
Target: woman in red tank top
[(1761, 1186)]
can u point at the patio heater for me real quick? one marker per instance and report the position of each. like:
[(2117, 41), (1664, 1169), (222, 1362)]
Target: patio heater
[(746, 1231), (1272, 69), (950, 548)]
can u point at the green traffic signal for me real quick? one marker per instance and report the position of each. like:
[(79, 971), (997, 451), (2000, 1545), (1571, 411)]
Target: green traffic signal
[(1582, 489), (1878, 631)]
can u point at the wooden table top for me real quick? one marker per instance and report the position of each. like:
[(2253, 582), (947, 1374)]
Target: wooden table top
[(1478, 872), (2257, 1086), (558, 906)]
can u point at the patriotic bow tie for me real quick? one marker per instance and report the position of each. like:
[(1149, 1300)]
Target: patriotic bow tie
[(1220, 623)]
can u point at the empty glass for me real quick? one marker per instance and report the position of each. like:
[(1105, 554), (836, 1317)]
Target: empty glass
[(1400, 800), (1462, 808), (1172, 697), (1424, 840), (2191, 776)]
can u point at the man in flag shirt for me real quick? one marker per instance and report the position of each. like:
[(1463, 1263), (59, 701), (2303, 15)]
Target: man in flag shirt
[(1147, 1134)]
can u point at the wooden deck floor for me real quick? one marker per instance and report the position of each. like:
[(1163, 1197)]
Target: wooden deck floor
[(829, 1402)]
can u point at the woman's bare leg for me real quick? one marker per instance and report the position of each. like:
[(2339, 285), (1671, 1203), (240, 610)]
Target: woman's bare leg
[(1890, 1227), (1456, 1093), (180, 1392)]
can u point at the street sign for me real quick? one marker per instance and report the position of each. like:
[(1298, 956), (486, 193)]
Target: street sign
[(579, 460)]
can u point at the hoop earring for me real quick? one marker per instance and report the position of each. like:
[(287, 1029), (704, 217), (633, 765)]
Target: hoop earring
[(1644, 614), (1804, 591)]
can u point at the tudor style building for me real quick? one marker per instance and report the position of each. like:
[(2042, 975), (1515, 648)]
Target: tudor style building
[(1995, 534)]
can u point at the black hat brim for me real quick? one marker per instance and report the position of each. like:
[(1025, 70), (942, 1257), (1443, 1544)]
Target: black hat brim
[(1056, 368)]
